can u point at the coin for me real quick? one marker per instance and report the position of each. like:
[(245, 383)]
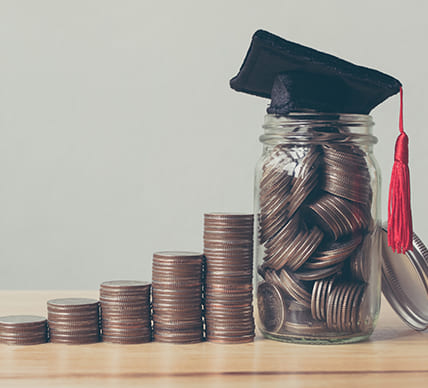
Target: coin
[(317, 274), (348, 314), (305, 249), (126, 285), (271, 307), (75, 340), (127, 340), (295, 288), (72, 304), (21, 342), (320, 293), (241, 339), (15, 321), (314, 328), (315, 297), (338, 217)]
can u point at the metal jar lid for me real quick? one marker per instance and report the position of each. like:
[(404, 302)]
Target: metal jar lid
[(405, 281)]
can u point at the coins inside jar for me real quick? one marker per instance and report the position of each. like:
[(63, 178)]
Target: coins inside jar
[(314, 228)]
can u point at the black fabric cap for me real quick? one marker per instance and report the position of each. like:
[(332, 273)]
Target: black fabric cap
[(298, 78)]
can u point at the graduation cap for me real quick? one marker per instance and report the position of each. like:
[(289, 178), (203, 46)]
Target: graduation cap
[(297, 78)]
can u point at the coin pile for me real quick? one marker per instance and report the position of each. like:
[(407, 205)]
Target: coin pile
[(339, 161), (23, 330), (314, 225), (342, 305), (228, 250), (177, 297), (73, 320), (125, 312), (289, 176)]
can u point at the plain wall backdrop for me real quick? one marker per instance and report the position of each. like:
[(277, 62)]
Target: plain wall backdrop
[(118, 128)]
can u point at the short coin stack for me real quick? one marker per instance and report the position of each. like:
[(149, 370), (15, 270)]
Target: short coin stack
[(177, 297), (125, 312), (73, 320), (228, 250), (23, 330)]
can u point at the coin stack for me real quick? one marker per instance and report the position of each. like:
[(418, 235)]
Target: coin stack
[(314, 226), (73, 320), (125, 312), (23, 330), (228, 250), (177, 297)]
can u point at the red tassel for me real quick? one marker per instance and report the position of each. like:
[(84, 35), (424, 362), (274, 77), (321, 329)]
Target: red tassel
[(400, 229)]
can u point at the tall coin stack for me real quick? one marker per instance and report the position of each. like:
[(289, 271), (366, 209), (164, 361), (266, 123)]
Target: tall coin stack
[(73, 320), (125, 312), (23, 330), (177, 297), (228, 250)]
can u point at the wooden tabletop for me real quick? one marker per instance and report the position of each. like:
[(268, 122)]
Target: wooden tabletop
[(396, 355)]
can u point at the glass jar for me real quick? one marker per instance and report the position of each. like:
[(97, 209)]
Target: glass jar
[(318, 245)]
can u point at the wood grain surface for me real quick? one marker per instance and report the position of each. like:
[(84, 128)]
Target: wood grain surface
[(394, 356)]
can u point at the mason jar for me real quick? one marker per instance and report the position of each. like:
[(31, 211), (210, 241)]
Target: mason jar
[(318, 243)]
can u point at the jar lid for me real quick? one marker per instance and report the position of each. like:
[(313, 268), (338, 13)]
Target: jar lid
[(405, 281)]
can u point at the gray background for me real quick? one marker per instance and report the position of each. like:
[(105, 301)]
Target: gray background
[(118, 128)]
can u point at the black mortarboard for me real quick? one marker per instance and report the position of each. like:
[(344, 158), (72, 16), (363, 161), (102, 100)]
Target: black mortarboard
[(298, 78)]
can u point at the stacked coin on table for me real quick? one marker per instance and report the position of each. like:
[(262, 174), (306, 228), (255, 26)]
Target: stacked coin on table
[(228, 250), (177, 297), (23, 330), (73, 320), (315, 225), (125, 311)]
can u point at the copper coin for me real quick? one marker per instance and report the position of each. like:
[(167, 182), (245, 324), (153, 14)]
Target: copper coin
[(66, 316), (345, 307), (75, 341), (318, 274), (230, 339), (315, 298), (15, 321), (120, 324), (178, 339), (348, 314), (305, 329), (295, 288), (127, 340), (331, 306), (271, 307), (126, 331), (72, 303), (73, 325), (125, 286), (23, 336), (24, 341), (355, 316), (327, 286)]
